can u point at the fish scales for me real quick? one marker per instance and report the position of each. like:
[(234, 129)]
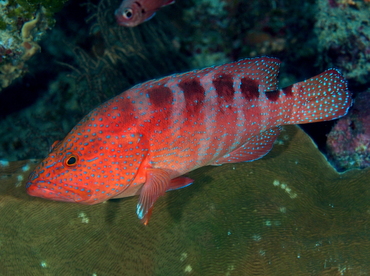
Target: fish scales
[(142, 141), (194, 109)]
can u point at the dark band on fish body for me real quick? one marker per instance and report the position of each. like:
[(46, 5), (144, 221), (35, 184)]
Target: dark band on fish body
[(137, 3), (273, 95), (224, 87), (249, 89), (288, 91), (160, 95), (194, 94)]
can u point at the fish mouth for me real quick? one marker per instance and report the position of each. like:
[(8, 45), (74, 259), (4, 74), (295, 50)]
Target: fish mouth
[(48, 190)]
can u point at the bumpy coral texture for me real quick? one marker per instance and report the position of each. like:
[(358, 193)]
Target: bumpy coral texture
[(349, 141)]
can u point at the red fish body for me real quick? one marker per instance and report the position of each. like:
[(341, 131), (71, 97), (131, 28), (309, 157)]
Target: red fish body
[(134, 12), (142, 141)]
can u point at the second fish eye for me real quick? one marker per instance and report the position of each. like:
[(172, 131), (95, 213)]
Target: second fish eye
[(127, 13)]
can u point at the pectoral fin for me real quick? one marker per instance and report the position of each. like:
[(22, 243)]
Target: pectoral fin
[(158, 181)]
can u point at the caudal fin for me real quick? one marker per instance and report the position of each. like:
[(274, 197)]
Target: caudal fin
[(321, 98)]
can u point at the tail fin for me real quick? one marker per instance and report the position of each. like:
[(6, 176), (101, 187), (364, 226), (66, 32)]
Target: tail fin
[(321, 98)]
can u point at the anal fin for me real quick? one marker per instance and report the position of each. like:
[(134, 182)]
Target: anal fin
[(255, 148), (180, 182)]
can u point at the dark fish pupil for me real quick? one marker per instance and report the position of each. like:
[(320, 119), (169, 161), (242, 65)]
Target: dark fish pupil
[(72, 160), (128, 13)]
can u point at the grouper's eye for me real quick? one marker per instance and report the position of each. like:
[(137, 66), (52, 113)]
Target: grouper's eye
[(71, 160)]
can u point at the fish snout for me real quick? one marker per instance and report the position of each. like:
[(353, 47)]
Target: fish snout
[(61, 192)]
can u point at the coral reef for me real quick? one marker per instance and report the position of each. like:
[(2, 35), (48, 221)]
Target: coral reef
[(289, 213), (348, 142), (343, 30), (22, 25), (221, 31)]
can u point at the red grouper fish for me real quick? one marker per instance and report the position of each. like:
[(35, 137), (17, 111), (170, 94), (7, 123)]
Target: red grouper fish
[(142, 141), (134, 12)]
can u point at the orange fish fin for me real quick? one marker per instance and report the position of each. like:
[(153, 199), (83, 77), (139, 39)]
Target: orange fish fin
[(180, 182), (321, 98), (255, 148), (157, 183)]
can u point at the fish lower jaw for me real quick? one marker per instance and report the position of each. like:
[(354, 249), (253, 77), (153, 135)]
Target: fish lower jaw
[(33, 189)]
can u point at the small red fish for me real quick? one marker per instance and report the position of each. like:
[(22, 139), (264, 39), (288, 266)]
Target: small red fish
[(134, 12), (142, 141)]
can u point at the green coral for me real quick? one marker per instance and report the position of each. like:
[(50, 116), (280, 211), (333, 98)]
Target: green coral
[(2, 24), (343, 39), (32, 5), (22, 25), (26, 9)]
